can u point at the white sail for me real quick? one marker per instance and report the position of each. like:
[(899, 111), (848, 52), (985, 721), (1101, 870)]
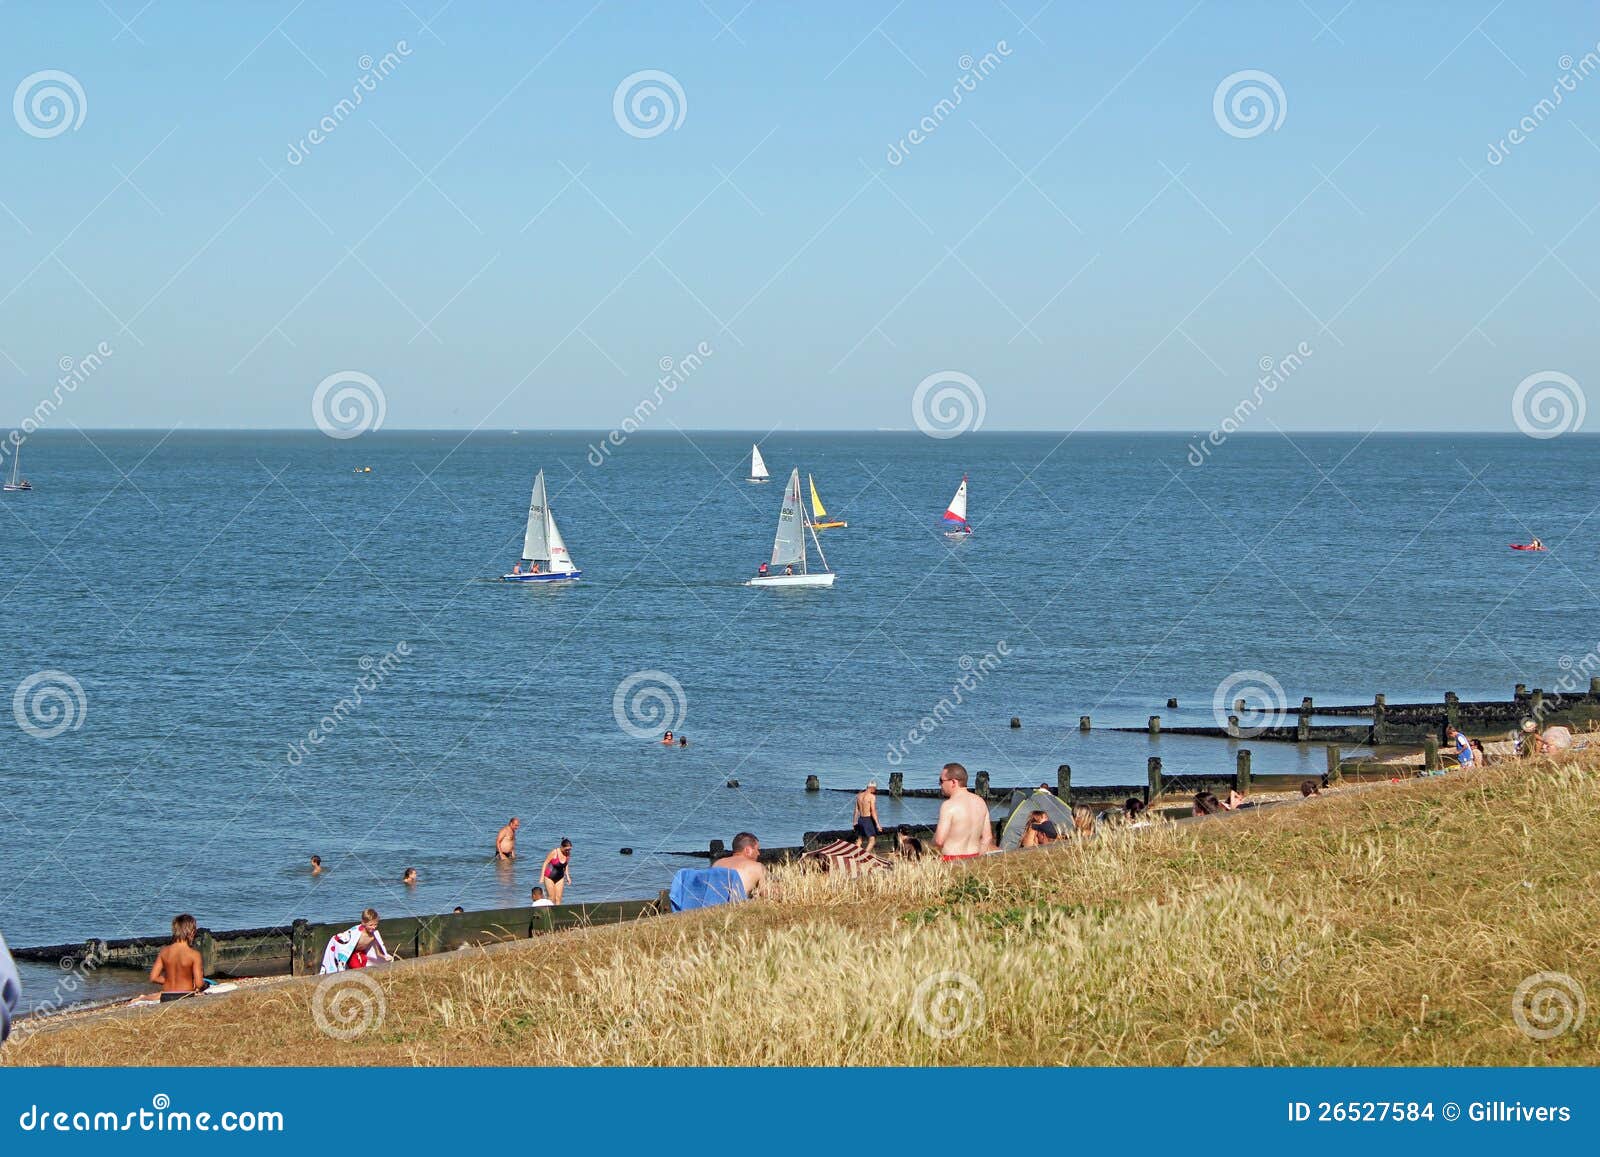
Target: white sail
[(560, 561), (958, 505), (535, 542), (789, 546), (758, 467)]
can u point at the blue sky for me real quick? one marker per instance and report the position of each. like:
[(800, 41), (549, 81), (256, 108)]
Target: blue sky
[(1080, 236)]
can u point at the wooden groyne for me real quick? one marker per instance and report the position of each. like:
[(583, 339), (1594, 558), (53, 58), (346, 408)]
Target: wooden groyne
[(1401, 723)]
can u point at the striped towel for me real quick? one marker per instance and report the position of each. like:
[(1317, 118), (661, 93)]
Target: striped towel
[(846, 858)]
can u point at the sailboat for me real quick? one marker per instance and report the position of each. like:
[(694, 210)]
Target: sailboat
[(958, 514), (789, 547), (758, 467), (16, 481), (818, 514), (543, 549)]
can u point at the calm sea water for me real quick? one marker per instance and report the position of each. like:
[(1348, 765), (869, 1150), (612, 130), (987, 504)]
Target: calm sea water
[(215, 595)]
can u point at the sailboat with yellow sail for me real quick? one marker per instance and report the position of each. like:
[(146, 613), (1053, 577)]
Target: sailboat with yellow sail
[(819, 519)]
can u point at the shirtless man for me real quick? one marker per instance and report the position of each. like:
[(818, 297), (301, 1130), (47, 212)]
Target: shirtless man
[(177, 968), (746, 860), (865, 819), (505, 844), (964, 830)]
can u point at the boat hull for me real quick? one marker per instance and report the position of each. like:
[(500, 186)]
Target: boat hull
[(958, 535), (546, 577), (758, 481), (819, 579), (10, 489)]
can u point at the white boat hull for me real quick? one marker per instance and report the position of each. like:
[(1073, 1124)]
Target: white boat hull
[(758, 480), (819, 579)]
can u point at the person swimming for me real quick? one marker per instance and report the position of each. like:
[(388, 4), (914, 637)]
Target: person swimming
[(666, 740)]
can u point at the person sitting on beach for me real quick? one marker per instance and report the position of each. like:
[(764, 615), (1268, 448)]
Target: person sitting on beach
[(865, 817), (1309, 788), (409, 877), (1206, 804), (355, 947), (1234, 802), (964, 830), (557, 870), (907, 845), (316, 865), (1041, 830), (745, 859), (1465, 756), (1133, 812), (540, 900), (1082, 821), (178, 968), (505, 843)]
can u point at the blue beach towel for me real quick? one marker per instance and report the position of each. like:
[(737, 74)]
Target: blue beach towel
[(705, 888)]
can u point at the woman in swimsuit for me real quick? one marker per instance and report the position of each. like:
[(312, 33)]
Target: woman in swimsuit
[(556, 872)]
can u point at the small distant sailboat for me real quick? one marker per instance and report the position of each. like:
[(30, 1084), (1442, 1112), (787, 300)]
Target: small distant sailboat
[(758, 467), (16, 481), (789, 547), (818, 514), (958, 514), (544, 551)]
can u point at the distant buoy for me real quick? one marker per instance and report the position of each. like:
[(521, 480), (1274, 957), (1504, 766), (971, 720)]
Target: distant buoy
[(626, 851)]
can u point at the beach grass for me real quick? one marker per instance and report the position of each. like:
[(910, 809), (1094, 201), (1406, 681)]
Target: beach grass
[(1386, 925)]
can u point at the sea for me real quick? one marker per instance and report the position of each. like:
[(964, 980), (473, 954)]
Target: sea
[(228, 651)]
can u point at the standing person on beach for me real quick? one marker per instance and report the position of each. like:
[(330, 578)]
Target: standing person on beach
[(505, 844), (746, 860), (964, 830), (178, 968), (557, 870), (865, 817)]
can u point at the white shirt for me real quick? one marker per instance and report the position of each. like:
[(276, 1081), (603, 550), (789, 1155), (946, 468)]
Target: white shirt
[(545, 902)]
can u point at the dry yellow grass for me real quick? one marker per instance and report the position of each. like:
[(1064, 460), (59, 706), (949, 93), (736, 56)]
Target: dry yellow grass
[(1391, 925)]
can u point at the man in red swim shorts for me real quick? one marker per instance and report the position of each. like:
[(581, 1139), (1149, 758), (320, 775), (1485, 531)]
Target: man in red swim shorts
[(964, 830)]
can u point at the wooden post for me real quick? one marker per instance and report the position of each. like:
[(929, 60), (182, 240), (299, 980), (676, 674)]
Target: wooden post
[(299, 948), (1155, 725), (1536, 703), (1594, 687), (1233, 727), (897, 784), (718, 849), (1172, 703), (813, 783), (982, 787), (1380, 718), (1303, 728), (1238, 706), (1015, 723), (1241, 771), (1153, 770), (1083, 723), (1333, 763), (1519, 691), (1430, 753), (1452, 708), (1064, 782), (206, 945)]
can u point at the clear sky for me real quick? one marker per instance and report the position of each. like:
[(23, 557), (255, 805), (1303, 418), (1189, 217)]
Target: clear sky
[(1081, 235)]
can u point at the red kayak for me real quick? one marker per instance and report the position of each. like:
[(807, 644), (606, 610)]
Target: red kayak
[(1527, 546)]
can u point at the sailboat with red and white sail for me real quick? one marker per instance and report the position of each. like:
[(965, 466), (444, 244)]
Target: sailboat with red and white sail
[(957, 514)]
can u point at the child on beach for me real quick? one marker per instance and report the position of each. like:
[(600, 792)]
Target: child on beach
[(178, 968), (355, 947)]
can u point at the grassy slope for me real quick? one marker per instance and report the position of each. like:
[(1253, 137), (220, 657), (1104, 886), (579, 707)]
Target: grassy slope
[(1385, 926)]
